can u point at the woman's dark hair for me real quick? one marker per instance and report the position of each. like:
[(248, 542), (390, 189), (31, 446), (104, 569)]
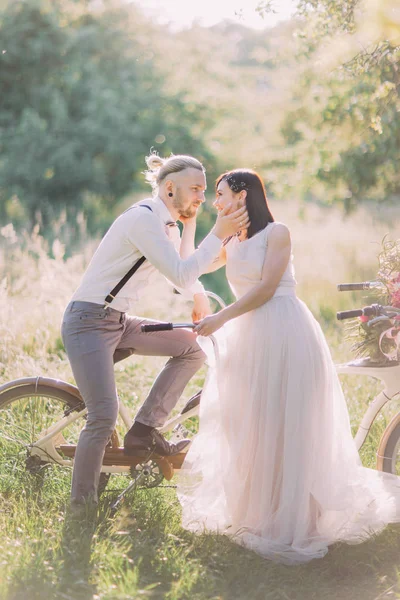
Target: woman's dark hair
[(256, 199)]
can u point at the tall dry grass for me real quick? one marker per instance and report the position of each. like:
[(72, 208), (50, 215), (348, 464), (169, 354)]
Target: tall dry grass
[(36, 284), (330, 248), (36, 281)]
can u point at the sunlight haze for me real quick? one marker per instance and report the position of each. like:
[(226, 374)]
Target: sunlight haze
[(181, 13)]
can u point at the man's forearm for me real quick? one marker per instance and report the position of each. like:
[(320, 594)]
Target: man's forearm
[(256, 297), (153, 243), (187, 246)]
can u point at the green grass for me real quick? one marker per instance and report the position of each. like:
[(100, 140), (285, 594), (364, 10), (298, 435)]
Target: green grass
[(143, 552)]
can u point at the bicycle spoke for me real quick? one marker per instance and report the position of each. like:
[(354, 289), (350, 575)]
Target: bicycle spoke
[(30, 416), (23, 421), (14, 425), (10, 439)]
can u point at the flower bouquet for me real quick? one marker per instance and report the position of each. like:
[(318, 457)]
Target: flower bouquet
[(379, 337)]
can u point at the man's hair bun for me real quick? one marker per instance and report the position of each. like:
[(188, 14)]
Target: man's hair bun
[(159, 168), (154, 162)]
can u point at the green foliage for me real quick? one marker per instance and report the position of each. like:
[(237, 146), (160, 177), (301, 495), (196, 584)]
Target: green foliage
[(343, 126), (329, 16), (89, 88), (82, 103)]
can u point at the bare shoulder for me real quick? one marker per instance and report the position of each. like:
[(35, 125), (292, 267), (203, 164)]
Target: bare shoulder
[(280, 234)]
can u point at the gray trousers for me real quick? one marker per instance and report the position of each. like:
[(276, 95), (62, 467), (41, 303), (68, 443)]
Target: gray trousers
[(95, 338)]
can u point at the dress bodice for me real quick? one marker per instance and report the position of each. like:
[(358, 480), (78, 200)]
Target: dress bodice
[(245, 261)]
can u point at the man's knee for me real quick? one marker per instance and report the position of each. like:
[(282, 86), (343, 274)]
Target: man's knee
[(101, 428), (193, 350)]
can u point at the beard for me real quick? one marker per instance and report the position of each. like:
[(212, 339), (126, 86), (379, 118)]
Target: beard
[(178, 204)]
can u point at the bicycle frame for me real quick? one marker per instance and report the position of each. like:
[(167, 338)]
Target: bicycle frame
[(46, 445), (389, 375)]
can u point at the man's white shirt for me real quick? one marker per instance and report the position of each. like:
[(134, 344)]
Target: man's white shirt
[(140, 232)]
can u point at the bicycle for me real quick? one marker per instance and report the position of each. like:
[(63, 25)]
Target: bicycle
[(42, 417), (387, 371), (53, 439)]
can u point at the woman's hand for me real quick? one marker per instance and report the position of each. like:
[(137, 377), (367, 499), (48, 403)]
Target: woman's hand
[(210, 324)]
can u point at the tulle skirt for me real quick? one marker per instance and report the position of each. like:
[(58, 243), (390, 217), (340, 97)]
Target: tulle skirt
[(274, 464)]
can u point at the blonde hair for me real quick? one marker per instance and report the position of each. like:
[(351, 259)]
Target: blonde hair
[(159, 168)]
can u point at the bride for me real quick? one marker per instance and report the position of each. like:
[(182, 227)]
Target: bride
[(274, 464)]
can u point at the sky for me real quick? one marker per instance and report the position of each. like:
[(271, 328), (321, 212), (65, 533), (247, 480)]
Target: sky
[(182, 13)]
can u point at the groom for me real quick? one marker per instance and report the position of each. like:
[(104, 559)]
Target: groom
[(97, 332)]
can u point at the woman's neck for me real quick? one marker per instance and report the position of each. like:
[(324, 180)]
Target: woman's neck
[(242, 235)]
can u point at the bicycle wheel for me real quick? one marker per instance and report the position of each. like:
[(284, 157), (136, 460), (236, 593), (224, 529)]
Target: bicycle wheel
[(388, 456), (28, 407)]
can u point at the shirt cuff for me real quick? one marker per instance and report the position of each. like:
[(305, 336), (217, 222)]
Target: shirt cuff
[(197, 288), (211, 244), (188, 293)]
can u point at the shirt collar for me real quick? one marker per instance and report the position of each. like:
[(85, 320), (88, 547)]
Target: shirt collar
[(163, 211)]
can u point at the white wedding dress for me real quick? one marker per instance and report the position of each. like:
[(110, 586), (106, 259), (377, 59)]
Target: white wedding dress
[(274, 464)]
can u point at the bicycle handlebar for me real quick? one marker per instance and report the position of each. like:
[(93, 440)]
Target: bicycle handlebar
[(349, 314), (364, 285), (165, 327), (367, 311), (347, 287), (170, 326), (157, 327)]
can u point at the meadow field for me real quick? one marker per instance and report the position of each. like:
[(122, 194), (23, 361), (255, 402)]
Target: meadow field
[(143, 552)]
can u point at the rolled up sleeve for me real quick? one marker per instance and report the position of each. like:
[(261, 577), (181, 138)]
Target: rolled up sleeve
[(147, 233)]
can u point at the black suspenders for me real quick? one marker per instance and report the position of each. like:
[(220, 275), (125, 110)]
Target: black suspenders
[(110, 297)]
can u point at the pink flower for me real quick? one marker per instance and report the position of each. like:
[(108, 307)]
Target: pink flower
[(395, 299), (364, 319), (394, 284)]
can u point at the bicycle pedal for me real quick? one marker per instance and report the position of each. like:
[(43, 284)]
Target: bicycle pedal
[(179, 432)]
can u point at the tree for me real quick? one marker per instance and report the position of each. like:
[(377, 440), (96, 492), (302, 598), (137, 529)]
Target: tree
[(343, 129), (82, 103)]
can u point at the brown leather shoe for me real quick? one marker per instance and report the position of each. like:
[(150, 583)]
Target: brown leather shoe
[(153, 442)]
